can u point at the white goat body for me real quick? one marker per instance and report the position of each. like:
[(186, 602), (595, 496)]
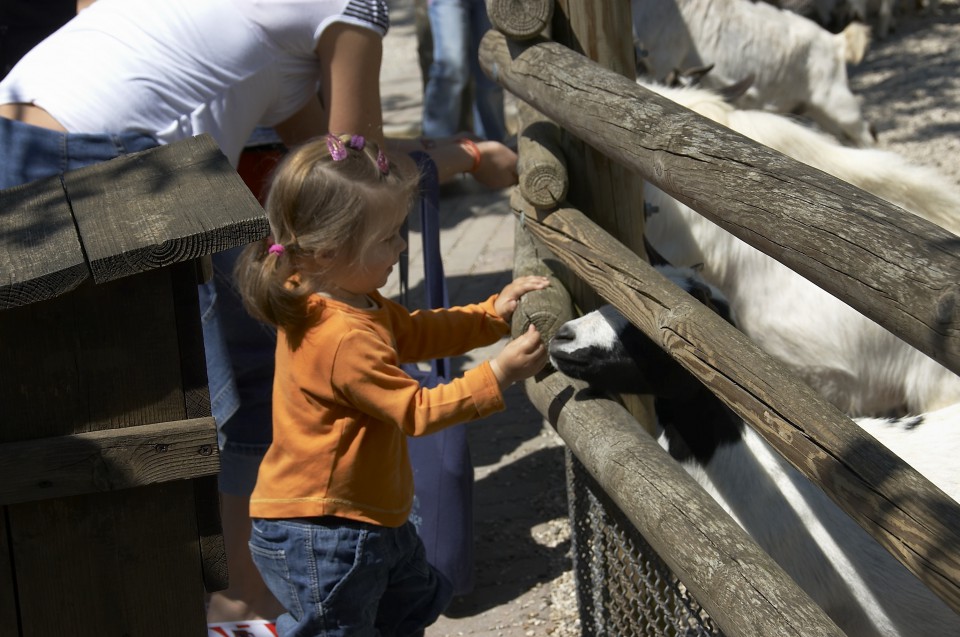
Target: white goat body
[(796, 65), (866, 591), (856, 364)]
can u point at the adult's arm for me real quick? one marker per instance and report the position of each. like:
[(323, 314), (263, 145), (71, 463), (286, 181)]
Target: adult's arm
[(350, 58), (498, 162), (349, 88)]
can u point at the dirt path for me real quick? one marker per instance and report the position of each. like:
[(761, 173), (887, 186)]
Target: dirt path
[(910, 87)]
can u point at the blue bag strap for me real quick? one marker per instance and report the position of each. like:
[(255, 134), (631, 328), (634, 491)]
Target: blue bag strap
[(442, 467), (434, 281)]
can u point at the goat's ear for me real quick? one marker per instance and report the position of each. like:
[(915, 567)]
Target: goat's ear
[(700, 292), (704, 294), (735, 91), (653, 256)]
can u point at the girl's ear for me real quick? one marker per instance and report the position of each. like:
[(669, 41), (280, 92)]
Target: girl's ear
[(326, 257)]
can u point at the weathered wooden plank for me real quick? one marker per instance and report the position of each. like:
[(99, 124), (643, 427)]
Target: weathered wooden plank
[(213, 550), (118, 563), (8, 598), (107, 460), (161, 206), (193, 365), (40, 254), (541, 167), (720, 564), (520, 19), (898, 269), (549, 308), (196, 399), (913, 519), (608, 191), (99, 357)]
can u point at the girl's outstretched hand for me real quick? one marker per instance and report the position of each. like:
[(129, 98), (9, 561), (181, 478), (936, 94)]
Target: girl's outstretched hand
[(521, 358), (507, 302)]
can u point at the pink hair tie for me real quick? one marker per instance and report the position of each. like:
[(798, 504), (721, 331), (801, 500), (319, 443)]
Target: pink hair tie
[(276, 249), (336, 148), (357, 142)]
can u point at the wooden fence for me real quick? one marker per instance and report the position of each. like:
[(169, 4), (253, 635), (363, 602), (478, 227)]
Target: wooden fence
[(895, 268), (109, 510)]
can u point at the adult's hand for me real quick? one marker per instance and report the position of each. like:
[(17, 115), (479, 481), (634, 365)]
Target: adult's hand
[(498, 165)]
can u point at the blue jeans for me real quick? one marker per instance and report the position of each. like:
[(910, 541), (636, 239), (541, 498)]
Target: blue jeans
[(30, 153), (342, 578), (251, 345), (457, 27)]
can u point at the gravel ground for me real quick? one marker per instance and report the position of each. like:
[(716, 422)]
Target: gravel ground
[(910, 87)]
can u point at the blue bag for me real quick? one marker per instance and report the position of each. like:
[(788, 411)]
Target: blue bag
[(442, 467)]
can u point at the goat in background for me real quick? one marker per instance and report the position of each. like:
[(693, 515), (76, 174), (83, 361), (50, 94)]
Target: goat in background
[(797, 65), (853, 362)]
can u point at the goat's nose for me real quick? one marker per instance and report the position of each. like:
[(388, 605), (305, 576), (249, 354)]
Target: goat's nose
[(565, 333)]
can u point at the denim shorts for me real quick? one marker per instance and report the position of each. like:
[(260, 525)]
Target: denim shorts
[(30, 153), (251, 346), (342, 578)]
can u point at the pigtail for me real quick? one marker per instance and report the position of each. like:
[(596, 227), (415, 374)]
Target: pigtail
[(265, 276)]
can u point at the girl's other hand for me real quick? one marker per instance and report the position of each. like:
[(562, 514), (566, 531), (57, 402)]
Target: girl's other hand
[(521, 358)]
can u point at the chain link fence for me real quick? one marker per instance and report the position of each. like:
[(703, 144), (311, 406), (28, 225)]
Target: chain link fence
[(623, 587)]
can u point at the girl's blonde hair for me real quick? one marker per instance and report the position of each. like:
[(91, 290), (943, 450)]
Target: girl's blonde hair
[(321, 203)]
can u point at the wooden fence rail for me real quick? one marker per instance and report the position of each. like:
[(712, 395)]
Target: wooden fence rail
[(898, 269), (912, 518)]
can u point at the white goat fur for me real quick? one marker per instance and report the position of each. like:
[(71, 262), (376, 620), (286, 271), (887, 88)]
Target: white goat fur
[(866, 591), (856, 364), (797, 65)]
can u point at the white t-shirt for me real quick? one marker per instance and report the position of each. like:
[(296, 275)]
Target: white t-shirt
[(177, 68)]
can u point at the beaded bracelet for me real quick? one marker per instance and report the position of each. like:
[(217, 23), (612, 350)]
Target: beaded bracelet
[(469, 145)]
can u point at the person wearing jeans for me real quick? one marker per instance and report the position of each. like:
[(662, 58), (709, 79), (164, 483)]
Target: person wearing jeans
[(457, 27)]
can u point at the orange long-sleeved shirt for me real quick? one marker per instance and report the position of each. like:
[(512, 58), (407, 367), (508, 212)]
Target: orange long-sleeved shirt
[(342, 407)]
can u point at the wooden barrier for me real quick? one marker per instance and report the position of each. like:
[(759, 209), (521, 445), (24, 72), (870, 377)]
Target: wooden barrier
[(908, 515), (520, 19), (108, 451), (849, 242), (542, 166), (721, 565)]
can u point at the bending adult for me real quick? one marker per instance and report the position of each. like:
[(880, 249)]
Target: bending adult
[(126, 75)]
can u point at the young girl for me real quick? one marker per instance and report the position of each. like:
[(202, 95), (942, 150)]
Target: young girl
[(330, 534)]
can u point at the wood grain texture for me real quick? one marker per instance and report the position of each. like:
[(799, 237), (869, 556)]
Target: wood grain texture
[(520, 19), (898, 269), (549, 308), (100, 357), (196, 403), (8, 587), (40, 253), (161, 206), (909, 516), (107, 460), (542, 167), (736, 582), (119, 563)]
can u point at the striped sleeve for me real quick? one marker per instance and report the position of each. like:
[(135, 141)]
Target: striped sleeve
[(373, 13)]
